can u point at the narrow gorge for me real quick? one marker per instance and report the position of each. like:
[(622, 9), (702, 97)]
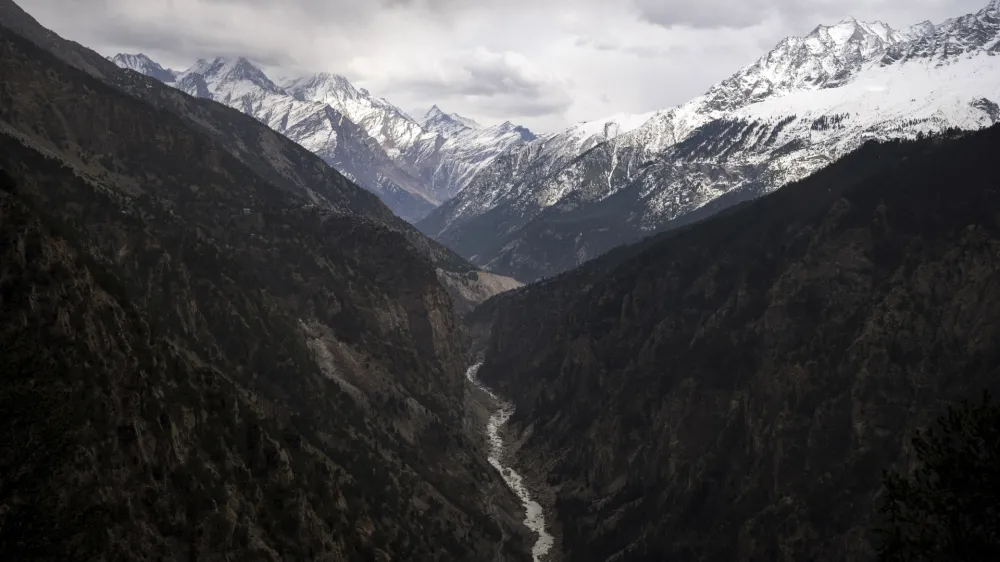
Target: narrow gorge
[(498, 454)]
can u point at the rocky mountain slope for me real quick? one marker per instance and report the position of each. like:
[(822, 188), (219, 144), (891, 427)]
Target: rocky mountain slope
[(800, 107), (447, 124), (214, 345), (444, 151), (500, 197), (388, 125), (460, 149), (317, 126), (732, 390), (412, 166)]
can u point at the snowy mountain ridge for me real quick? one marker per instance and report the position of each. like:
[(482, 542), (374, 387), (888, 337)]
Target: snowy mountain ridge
[(412, 166), (804, 104), (144, 65), (320, 128), (388, 125), (444, 152), (446, 124)]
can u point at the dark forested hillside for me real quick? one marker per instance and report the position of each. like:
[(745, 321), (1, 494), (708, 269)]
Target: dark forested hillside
[(734, 389), (215, 347)]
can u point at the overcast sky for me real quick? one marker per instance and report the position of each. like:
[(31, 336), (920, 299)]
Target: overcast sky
[(541, 63)]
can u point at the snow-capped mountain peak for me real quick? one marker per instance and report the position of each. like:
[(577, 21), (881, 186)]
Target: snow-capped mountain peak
[(917, 30), (325, 87), (447, 124), (144, 65), (494, 132), (228, 75), (825, 58), (851, 40), (394, 130), (953, 39)]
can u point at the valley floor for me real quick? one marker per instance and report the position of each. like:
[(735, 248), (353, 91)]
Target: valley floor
[(498, 454)]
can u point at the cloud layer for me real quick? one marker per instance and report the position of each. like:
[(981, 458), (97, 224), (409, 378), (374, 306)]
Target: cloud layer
[(544, 64)]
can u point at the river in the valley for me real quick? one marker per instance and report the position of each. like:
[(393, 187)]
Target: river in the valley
[(534, 515)]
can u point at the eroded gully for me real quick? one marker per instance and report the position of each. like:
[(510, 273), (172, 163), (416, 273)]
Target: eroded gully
[(498, 454)]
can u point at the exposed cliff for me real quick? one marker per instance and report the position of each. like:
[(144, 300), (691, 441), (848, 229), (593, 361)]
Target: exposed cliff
[(732, 390)]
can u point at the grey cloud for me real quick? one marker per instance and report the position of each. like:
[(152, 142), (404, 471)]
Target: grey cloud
[(513, 109), (342, 13), (182, 44), (643, 51), (796, 13), (437, 5), (492, 82), (332, 11), (705, 13)]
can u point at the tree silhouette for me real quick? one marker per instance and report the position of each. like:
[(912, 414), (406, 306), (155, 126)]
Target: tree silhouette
[(949, 508)]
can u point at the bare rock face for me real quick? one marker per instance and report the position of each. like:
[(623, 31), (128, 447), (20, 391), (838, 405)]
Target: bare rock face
[(733, 390), (472, 288), (215, 346)]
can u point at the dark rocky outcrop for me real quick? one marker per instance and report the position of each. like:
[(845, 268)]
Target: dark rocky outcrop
[(732, 390)]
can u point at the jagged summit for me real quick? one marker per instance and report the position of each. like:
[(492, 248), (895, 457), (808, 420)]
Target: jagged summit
[(917, 30), (144, 65), (827, 57), (505, 128), (447, 124), (952, 40), (394, 130), (325, 84), (232, 76)]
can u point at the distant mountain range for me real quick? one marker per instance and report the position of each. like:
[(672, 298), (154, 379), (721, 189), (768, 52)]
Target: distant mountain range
[(413, 165), (548, 205), (531, 206)]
